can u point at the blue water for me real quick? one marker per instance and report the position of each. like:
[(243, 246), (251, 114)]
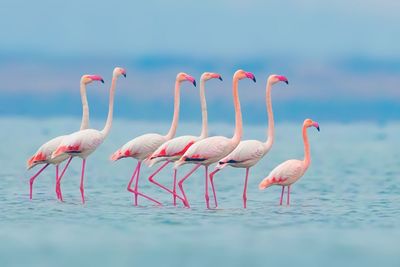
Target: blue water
[(344, 211)]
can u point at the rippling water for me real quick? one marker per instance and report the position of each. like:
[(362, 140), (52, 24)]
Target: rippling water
[(344, 211)]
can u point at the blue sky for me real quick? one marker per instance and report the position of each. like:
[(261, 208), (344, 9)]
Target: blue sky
[(341, 57)]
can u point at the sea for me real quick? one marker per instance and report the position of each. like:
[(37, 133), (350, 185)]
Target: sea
[(345, 211)]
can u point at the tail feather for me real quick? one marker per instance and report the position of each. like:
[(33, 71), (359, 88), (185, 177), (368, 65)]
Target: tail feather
[(179, 163), (265, 183), (35, 159)]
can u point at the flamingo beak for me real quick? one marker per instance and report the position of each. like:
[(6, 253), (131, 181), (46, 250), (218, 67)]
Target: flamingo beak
[(251, 76), (316, 125), (124, 74), (283, 79)]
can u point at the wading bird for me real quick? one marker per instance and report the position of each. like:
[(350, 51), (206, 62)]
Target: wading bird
[(249, 152), (288, 172), (212, 149), (173, 149), (143, 146), (83, 143), (43, 154)]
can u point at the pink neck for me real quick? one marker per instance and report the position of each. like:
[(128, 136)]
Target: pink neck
[(270, 138), (85, 108), (238, 113), (175, 119), (307, 156), (204, 131), (108, 124)]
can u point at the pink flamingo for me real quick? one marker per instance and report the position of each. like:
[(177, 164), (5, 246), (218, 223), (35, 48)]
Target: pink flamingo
[(143, 146), (83, 143), (212, 149), (43, 154), (249, 152), (173, 149), (288, 172)]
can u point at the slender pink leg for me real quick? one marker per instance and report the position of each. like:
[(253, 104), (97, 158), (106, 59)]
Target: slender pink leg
[(137, 183), (61, 176), (82, 188), (151, 179), (283, 191), (288, 195), (212, 185), (180, 183), (174, 188), (206, 188), (135, 190), (57, 192), (245, 189), (33, 179)]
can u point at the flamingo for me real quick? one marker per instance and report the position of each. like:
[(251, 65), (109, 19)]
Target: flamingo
[(173, 149), (141, 147), (249, 152), (288, 172), (43, 154), (212, 149), (83, 143)]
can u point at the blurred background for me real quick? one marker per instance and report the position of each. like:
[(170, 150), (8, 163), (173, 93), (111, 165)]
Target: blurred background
[(342, 59)]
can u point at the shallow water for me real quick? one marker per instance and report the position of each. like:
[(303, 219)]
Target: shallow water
[(344, 211)]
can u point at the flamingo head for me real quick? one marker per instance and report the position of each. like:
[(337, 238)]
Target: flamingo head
[(181, 77), (273, 79), (310, 123), (209, 75), (118, 72), (241, 74), (86, 79)]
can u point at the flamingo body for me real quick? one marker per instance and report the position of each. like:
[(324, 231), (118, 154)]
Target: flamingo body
[(208, 150), (285, 173), (247, 154), (80, 144), (173, 149), (43, 154), (140, 147)]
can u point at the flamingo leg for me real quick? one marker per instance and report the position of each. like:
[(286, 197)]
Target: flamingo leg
[(151, 179), (61, 176), (288, 195), (82, 188), (245, 189), (129, 187), (283, 191), (212, 185), (57, 192), (174, 188), (135, 190), (180, 183), (32, 179), (206, 188)]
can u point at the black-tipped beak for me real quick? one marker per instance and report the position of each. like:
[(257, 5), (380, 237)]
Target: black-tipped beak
[(287, 82), (318, 128), (194, 83), (102, 81), (124, 74), (220, 78), (254, 79)]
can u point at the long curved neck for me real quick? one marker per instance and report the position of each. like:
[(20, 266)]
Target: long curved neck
[(270, 134), (107, 126), (85, 108), (175, 119), (238, 113), (204, 130), (307, 156)]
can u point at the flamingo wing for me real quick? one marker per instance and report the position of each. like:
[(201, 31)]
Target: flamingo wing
[(285, 173), (245, 151), (43, 154), (175, 147), (208, 148)]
